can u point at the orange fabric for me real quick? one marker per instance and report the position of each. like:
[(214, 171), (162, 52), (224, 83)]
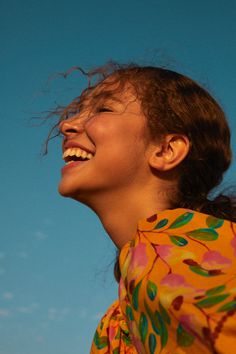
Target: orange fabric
[(177, 292)]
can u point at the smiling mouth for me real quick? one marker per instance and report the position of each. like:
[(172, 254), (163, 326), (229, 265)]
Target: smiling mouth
[(76, 154)]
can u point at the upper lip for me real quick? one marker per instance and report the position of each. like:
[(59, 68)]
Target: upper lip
[(72, 144)]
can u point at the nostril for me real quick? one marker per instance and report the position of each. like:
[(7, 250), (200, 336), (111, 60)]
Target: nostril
[(71, 130), (68, 128)]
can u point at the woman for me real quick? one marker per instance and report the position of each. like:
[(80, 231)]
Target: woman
[(143, 148)]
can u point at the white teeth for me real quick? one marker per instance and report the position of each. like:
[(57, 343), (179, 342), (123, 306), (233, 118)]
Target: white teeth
[(77, 152), (72, 152), (84, 154)]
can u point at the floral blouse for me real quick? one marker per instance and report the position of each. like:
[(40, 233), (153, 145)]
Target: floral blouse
[(177, 292)]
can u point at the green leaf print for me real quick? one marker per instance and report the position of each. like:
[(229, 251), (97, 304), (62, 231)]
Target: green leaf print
[(164, 314), (158, 324), (126, 339), (199, 270), (143, 327), (152, 343), (229, 306), (135, 295), (161, 224), (118, 333), (100, 342), (214, 222), (178, 241), (154, 319), (151, 290), (204, 272), (181, 220), (129, 313), (184, 339), (203, 234), (216, 290), (211, 301), (163, 330), (116, 351)]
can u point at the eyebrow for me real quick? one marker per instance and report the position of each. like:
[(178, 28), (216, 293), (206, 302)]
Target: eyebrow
[(107, 95), (99, 98)]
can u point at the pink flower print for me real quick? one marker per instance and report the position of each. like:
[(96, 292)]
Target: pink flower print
[(138, 261), (172, 287), (164, 251), (139, 257), (135, 335), (112, 332), (215, 260), (122, 290), (233, 244), (174, 280), (172, 254)]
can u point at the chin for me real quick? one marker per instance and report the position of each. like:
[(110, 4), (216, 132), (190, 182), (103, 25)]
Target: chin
[(65, 190), (70, 192)]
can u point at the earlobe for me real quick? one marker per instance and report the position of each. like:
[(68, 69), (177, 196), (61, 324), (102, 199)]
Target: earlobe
[(170, 152)]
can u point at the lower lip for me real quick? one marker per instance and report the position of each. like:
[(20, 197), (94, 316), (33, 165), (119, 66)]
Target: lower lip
[(71, 165)]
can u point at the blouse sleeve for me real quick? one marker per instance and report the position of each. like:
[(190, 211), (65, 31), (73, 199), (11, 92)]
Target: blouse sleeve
[(178, 285)]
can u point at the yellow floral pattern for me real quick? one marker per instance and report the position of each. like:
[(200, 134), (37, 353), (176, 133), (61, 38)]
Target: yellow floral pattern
[(177, 292)]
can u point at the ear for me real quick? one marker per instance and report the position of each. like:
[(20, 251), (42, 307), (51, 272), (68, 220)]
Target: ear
[(170, 152)]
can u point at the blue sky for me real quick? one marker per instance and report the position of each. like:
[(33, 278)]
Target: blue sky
[(55, 259)]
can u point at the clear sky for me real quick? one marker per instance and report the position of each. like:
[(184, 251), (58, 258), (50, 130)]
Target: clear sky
[(55, 259)]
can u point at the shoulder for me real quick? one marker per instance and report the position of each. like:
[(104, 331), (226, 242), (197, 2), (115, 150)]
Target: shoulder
[(180, 241)]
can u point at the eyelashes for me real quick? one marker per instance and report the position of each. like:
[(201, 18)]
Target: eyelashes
[(104, 109), (71, 113)]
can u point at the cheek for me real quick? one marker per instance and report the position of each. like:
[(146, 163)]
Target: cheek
[(96, 129), (111, 131)]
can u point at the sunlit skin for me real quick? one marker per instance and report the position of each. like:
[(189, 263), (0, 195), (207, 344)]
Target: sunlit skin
[(130, 176)]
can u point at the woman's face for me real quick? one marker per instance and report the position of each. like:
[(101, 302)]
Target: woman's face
[(110, 134)]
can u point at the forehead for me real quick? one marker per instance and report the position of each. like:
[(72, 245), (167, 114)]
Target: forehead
[(111, 89)]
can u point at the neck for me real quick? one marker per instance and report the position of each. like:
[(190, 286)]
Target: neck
[(120, 212)]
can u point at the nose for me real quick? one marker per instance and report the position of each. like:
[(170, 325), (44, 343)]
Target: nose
[(70, 128)]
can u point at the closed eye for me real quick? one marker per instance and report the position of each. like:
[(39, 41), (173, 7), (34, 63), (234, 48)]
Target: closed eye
[(104, 109)]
